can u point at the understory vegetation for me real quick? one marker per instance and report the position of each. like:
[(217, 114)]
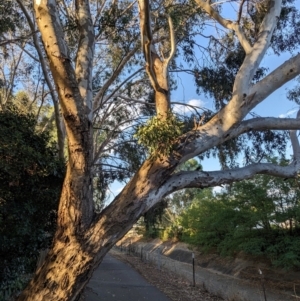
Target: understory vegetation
[(260, 217), (30, 182)]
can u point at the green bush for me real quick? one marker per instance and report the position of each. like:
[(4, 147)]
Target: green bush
[(259, 217), (30, 183)]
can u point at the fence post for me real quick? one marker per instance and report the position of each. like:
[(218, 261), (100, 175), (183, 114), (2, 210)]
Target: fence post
[(262, 283), (158, 257), (193, 258)]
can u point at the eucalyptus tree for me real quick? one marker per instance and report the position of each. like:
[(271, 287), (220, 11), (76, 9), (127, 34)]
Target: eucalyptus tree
[(74, 36)]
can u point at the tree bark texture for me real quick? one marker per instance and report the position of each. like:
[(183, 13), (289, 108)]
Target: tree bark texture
[(156, 67)]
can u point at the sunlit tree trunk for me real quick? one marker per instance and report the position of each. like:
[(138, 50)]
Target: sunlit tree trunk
[(156, 66)]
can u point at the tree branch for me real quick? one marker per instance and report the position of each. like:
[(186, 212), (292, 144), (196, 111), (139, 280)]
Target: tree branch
[(238, 107), (17, 39), (295, 141), (85, 53), (172, 42), (202, 179), (116, 73), (195, 108), (59, 124), (263, 124), (253, 59), (194, 143), (240, 11), (147, 45), (276, 79), (60, 64), (227, 24)]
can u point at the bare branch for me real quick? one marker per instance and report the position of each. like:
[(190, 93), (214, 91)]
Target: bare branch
[(240, 11), (153, 104), (17, 39), (227, 24), (203, 179), (276, 79), (263, 124), (13, 73), (116, 73), (112, 166), (172, 41), (124, 82), (28, 53)]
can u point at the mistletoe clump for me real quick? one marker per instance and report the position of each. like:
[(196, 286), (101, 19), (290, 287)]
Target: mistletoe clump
[(158, 134)]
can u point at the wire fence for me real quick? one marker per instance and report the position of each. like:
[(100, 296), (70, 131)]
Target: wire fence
[(156, 257)]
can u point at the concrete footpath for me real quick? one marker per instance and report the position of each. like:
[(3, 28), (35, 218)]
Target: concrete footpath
[(114, 280)]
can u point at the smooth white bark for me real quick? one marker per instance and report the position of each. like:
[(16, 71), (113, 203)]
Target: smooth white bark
[(85, 54), (235, 26)]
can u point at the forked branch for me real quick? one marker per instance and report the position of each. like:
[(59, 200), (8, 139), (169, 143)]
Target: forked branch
[(147, 39), (148, 47), (227, 24)]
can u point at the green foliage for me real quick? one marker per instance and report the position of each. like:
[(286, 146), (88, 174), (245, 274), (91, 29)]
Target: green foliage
[(30, 182), (159, 135), (162, 220), (153, 219), (259, 216), (10, 18)]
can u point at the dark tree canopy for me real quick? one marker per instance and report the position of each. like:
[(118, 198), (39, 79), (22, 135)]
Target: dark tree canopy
[(30, 183)]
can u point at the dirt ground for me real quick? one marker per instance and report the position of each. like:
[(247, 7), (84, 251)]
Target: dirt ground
[(176, 288)]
